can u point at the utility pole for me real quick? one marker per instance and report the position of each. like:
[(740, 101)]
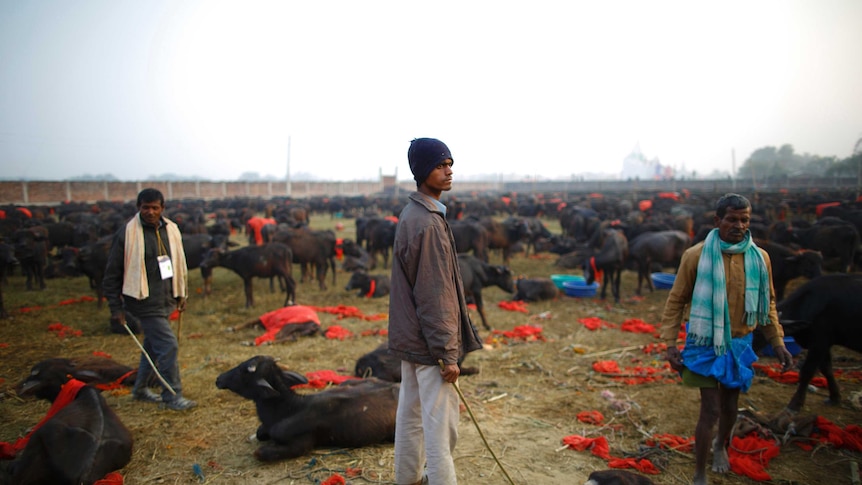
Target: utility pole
[(733, 168), (287, 183), (857, 153)]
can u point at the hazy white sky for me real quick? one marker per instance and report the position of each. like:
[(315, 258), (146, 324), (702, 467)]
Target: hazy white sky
[(543, 88)]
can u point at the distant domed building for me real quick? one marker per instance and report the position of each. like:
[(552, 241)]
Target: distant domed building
[(636, 166)]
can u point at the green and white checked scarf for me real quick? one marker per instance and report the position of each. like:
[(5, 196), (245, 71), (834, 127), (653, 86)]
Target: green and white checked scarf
[(709, 322)]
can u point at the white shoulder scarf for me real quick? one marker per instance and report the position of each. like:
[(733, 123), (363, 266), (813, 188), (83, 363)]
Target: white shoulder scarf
[(135, 273)]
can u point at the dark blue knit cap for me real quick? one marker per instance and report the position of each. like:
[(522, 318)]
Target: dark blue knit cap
[(424, 155)]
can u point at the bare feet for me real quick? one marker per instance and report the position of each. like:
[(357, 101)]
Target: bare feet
[(720, 460)]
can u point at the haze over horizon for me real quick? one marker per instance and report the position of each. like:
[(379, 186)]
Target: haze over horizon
[(221, 90)]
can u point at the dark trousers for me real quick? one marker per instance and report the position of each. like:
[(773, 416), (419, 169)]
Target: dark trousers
[(162, 346)]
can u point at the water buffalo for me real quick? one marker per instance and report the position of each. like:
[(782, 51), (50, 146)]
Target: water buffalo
[(93, 440), (823, 312), (477, 274), (369, 286), (357, 413), (663, 247), (267, 261)]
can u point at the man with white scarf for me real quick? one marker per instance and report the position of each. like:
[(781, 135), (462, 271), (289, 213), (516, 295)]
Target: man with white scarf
[(727, 280), (147, 277)]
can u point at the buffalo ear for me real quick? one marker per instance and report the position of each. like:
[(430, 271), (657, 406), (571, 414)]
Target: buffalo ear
[(265, 389), (294, 378)]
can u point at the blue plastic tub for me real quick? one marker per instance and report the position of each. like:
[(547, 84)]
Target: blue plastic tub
[(580, 289), (791, 345), (559, 279), (663, 281)]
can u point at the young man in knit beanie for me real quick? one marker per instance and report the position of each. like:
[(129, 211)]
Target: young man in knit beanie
[(429, 328)]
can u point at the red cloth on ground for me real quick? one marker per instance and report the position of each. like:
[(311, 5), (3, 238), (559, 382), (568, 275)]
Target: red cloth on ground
[(606, 367), (636, 325), (750, 456), (849, 437), (335, 479), (274, 321), (595, 323), (514, 306), (591, 417), (597, 446), (337, 332), (67, 394), (643, 465)]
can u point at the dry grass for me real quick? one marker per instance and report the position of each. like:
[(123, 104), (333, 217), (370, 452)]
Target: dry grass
[(525, 398)]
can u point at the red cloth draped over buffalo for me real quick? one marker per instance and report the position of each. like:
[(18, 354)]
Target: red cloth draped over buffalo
[(67, 394), (274, 321)]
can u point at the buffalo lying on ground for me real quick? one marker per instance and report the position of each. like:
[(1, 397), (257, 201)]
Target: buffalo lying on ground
[(357, 413), (381, 364), (80, 444), (369, 286), (535, 289)]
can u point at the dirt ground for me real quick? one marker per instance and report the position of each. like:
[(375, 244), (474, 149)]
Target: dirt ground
[(525, 399)]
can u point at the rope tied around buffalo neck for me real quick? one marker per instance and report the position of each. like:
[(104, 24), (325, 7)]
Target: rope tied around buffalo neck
[(476, 423)]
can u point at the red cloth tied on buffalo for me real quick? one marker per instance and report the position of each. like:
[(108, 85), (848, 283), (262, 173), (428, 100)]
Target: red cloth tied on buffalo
[(274, 321), (112, 478), (339, 249), (598, 273), (322, 378), (255, 224), (67, 394), (344, 311)]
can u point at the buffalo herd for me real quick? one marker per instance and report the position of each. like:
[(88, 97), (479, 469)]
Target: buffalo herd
[(813, 236)]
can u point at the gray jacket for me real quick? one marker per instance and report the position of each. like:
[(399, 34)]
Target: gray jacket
[(428, 317)]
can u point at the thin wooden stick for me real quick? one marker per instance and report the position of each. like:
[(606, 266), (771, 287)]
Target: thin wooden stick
[(621, 349), (152, 364), (476, 423)]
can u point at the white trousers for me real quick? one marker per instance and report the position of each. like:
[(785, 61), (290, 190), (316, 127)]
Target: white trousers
[(426, 426)]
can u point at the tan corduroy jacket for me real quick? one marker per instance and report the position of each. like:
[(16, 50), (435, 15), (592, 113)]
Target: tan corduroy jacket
[(678, 301)]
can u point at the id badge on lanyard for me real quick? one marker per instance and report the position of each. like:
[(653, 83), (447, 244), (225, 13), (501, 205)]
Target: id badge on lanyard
[(165, 267)]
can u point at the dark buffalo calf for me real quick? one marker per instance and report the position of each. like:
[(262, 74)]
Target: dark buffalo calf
[(81, 443), (355, 414), (823, 312), (267, 261), (369, 286), (617, 477), (477, 274), (7, 260), (535, 289), (381, 364), (90, 370)]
